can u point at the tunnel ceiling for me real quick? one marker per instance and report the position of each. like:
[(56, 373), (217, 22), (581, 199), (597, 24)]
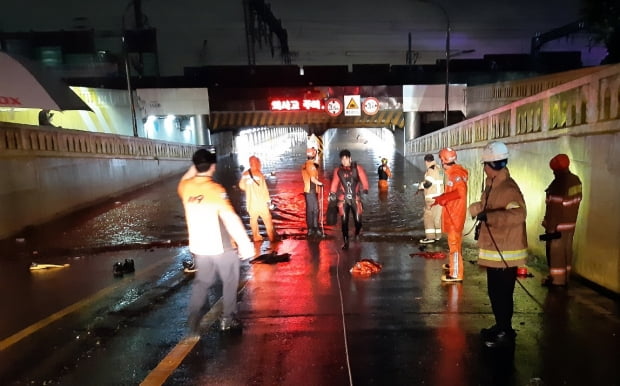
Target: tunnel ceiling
[(315, 121)]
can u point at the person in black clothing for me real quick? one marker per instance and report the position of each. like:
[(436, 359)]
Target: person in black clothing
[(348, 183), (384, 173)]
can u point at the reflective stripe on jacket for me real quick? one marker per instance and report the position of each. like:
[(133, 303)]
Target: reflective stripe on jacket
[(562, 202), (504, 205), (433, 175)]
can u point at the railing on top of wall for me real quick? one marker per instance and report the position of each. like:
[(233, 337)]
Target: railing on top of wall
[(575, 106), (18, 140), (484, 98)]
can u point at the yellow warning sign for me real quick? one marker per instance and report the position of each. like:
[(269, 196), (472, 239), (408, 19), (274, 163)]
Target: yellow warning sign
[(352, 105)]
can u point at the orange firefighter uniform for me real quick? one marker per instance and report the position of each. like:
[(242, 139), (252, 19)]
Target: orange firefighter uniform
[(384, 173), (454, 202), (563, 197), (257, 199)]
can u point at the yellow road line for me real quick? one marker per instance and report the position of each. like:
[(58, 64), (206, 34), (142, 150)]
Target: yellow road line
[(11, 340), (171, 362)]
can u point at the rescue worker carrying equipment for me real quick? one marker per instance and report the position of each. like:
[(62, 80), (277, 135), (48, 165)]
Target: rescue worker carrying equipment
[(349, 181), (453, 201), (384, 173), (502, 240), (257, 199), (433, 187), (563, 197), (310, 175)]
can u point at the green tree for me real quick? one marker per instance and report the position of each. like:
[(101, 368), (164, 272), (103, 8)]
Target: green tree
[(603, 20)]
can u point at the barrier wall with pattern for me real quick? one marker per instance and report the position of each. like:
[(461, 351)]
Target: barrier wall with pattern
[(580, 118)]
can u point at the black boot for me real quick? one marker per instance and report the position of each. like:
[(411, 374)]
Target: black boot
[(358, 231), (500, 338), (345, 246)]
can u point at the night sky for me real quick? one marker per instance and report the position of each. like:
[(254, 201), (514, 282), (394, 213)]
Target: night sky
[(194, 32)]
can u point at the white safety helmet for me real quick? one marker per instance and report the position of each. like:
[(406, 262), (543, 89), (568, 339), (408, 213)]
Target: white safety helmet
[(494, 151)]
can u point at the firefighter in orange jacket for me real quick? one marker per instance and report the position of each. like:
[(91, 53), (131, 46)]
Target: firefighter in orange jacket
[(562, 207), (312, 184), (454, 202), (257, 199)]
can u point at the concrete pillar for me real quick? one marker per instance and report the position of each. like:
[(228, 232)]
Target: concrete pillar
[(400, 140), (412, 125), (203, 136)]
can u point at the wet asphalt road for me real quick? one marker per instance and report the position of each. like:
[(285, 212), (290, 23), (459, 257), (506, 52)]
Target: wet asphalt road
[(306, 322)]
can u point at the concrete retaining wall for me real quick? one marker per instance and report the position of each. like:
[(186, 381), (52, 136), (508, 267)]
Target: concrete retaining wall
[(34, 189), (47, 172), (580, 118), (596, 252)]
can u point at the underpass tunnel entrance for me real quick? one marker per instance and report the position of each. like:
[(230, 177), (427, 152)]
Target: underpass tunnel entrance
[(395, 214)]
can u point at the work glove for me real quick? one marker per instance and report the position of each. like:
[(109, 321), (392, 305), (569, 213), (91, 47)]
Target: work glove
[(482, 217), (332, 197)]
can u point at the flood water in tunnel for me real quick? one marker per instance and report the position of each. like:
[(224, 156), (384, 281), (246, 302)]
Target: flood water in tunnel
[(153, 215), (397, 214)]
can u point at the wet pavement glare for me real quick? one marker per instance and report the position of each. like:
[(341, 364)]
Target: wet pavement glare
[(401, 326)]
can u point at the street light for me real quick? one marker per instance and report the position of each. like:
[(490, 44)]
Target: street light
[(447, 86), (132, 105)]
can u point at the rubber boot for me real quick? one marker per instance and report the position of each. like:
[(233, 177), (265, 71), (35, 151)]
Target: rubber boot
[(345, 246)]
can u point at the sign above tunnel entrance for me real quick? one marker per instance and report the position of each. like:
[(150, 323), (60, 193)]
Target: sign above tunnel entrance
[(333, 107), (352, 106), (370, 106), (295, 104)]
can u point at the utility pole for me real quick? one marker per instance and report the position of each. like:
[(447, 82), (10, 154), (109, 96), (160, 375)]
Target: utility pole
[(138, 19)]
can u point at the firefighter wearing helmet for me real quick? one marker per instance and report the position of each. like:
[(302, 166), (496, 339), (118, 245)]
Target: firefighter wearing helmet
[(432, 187), (310, 175), (563, 197), (502, 240), (454, 203), (384, 173)]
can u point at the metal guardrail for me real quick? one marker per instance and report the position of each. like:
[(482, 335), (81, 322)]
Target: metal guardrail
[(18, 140), (582, 106)]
